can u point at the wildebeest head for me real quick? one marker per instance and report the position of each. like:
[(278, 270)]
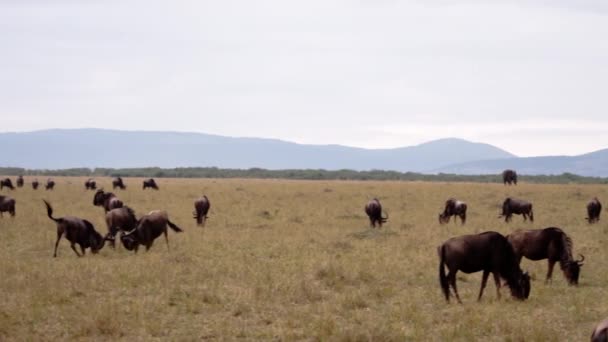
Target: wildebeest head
[(129, 240), (572, 270), (522, 290), (99, 197)]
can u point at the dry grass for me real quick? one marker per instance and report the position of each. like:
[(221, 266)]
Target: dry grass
[(290, 260)]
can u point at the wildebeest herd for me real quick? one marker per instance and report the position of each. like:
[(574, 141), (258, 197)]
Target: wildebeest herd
[(489, 252)]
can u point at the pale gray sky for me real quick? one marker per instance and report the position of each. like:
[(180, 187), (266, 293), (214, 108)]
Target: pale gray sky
[(527, 76)]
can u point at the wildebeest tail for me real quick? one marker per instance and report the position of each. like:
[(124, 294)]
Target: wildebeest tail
[(49, 212), (174, 227), (443, 280)]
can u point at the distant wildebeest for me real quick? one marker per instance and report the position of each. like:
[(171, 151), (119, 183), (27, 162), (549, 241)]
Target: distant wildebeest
[(373, 209), (35, 184), (118, 183), (107, 200), (119, 219), (551, 244), (6, 183), (516, 206), (509, 177), (50, 184), (77, 231), (7, 204), (201, 207), (453, 207), (489, 252), (150, 183), (600, 333), (90, 184), (594, 209), (20, 181), (149, 227)]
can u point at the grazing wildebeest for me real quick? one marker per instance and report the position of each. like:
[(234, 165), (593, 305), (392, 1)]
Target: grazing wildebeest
[(509, 177), (201, 207), (20, 181), (117, 183), (107, 200), (551, 244), (90, 184), (489, 252), (77, 231), (35, 184), (600, 333), (594, 209), (149, 227), (373, 209), (150, 183), (119, 219), (6, 183), (516, 206), (50, 184), (7, 204), (453, 207)]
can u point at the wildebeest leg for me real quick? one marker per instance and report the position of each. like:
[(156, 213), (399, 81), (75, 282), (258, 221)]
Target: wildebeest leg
[(452, 281), (82, 249), (484, 280), (550, 271), (59, 233), (74, 248), (463, 218), (167, 239), (497, 282)]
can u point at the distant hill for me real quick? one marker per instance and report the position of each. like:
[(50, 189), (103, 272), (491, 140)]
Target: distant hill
[(593, 164), (72, 148)]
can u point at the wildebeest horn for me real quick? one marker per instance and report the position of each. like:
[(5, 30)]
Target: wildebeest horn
[(582, 259), (130, 232)]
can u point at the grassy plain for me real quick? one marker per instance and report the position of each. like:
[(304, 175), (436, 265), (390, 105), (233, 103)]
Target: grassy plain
[(291, 260)]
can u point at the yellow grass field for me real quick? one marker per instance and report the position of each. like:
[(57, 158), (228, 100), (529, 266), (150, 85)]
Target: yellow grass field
[(291, 260)]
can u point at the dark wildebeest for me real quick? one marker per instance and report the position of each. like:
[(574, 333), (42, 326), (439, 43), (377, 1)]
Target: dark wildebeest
[(77, 231), (20, 181), (516, 206), (35, 184), (373, 209), (117, 183), (6, 183), (7, 204), (119, 219), (489, 252), (509, 177), (50, 184), (594, 209), (453, 207), (600, 333), (107, 200), (149, 227), (201, 207), (90, 184), (150, 183), (551, 244)]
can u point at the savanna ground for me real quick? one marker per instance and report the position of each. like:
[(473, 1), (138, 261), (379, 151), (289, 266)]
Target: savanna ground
[(291, 260)]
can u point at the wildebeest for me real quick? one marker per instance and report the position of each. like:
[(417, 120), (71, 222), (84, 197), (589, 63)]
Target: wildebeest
[(150, 183), (77, 231), (453, 207), (50, 184), (509, 177), (551, 244), (149, 227), (119, 219), (516, 206), (373, 209), (118, 183), (600, 333), (594, 209), (20, 181), (489, 252), (107, 200), (6, 183), (90, 184), (7, 204), (201, 207), (35, 184)]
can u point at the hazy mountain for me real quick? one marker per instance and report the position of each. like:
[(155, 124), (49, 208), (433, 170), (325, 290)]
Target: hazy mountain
[(61, 148), (590, 164)]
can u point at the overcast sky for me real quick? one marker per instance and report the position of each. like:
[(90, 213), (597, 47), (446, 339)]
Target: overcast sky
[(527, 76)]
